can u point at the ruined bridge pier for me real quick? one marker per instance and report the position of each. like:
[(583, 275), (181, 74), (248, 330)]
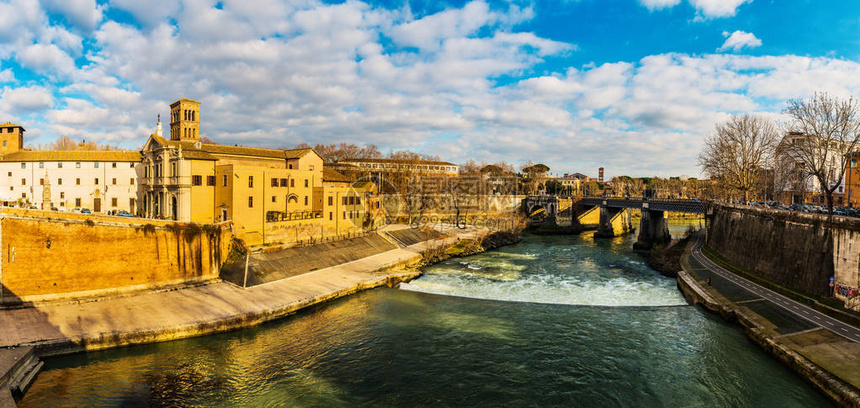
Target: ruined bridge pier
[(615, 215)]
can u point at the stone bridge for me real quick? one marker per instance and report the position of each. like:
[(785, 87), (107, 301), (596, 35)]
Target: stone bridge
[(614, 213)]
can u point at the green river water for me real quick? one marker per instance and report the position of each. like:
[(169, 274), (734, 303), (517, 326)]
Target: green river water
[(552, 321)]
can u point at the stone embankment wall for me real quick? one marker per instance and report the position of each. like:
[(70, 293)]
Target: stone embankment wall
[(49, 255), (793, 249)]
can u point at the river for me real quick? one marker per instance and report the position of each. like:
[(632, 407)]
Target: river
[(552, 321)]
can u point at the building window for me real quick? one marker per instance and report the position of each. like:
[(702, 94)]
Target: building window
[(131, 181), (274, 199), (197, 180), (113, 165), (225, 180), (306, 200), (311, 167), (131, 165), (113, 181), (60, 165), (210, 181), (344, 215), (23, 165), (343, 200), (250, 202), (113, 202), (330, 200), (283, 182), (250, 181), (96, 181), (23, 195), (77, 182), (77, 202), (78, 164), (96, 165), (357, 200), (23, 182), (62, 194), (131, 204), (41, 165), (330, 215), (41, 182), (274, 182), (290, 166), (292, 182), (59, 182), (306, 182)]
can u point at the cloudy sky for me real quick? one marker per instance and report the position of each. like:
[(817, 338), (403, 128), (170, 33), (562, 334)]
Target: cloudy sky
[(630, 85)]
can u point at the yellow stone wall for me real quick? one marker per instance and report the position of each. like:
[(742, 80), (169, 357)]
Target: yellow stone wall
[(49, 255), (202, 196)]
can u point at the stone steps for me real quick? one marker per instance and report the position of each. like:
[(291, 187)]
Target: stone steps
[(20, 366)]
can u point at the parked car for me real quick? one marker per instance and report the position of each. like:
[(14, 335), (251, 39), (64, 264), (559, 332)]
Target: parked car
[(85, 211), (124, 213)]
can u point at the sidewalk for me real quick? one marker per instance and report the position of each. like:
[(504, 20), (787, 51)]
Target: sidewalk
[(824, 350), (60, 328)]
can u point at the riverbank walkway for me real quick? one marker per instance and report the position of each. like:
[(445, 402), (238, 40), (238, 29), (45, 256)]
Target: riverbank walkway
[(92, 324), (780, 322)]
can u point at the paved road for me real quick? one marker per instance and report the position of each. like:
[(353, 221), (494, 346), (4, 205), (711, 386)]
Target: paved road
[(797, 309)]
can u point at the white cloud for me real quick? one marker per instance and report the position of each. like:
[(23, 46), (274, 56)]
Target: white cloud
[(24, 100), (704, 8), (6, 75), (84, 14), (717, 8), (659, 4), (150, 12), (46, 59), (738, 40)]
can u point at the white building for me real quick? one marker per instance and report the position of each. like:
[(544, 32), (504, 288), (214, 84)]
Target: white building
[(796, 184), (100, 180)]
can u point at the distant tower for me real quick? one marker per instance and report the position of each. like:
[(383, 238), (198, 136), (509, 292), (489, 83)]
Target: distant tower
[(185, 120), (11, 138), (600, 174), (158, 131)]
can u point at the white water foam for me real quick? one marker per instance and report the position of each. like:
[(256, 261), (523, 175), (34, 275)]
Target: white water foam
[(550, 289)]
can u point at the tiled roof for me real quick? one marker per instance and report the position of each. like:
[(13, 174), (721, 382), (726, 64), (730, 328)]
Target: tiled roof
[(71, 155), (218, 149), (10, 124), (335, 176), (363, 184), (443, 163)]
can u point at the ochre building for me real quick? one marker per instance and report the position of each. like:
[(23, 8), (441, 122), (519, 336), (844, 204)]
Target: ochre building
[(270, 195)]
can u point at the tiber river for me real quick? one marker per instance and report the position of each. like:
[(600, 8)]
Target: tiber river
[(553, 321)]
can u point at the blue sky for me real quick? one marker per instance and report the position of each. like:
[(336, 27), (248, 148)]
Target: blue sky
[(630, 85)]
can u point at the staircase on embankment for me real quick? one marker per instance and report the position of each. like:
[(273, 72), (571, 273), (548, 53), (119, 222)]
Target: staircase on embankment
[(18, 368)]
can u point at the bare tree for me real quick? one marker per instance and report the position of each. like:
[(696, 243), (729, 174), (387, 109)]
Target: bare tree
[(67, 143), (831, 130), (737, 151)]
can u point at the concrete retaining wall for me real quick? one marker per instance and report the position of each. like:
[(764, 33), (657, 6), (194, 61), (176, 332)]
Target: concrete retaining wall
[(796, 250)]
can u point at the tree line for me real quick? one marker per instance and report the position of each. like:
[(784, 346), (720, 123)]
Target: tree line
[(748, 153)]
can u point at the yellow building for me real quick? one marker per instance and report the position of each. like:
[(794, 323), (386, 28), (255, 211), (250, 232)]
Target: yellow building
[(270, 195), (11, 138)]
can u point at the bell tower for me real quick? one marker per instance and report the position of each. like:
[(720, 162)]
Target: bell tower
[(185, 120), (11, 138)]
